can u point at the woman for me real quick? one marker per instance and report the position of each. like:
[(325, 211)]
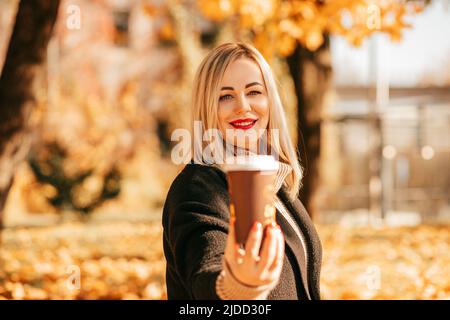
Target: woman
[(235, 90)]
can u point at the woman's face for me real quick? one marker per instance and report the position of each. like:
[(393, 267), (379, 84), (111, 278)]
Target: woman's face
[(243, 103)]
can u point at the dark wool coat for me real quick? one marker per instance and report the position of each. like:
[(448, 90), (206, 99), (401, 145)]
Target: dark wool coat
[(195, 220)]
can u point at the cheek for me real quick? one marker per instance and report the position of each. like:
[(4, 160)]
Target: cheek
[(262, 109), (223, 113)]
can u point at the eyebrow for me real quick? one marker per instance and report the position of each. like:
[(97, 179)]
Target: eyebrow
[(248, 85)]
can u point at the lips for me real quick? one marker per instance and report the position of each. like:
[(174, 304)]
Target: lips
[(243, 124)]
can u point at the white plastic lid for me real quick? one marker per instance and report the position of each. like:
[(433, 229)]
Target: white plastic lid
[(251, 163)]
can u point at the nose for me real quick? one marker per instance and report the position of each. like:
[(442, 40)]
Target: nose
[(242, 105)]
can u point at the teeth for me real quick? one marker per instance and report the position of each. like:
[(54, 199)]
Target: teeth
[(243, 123)]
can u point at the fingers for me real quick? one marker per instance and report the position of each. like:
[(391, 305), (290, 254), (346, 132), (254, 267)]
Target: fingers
[(269, 250), (253, 243), (252, 265), (278, 261)]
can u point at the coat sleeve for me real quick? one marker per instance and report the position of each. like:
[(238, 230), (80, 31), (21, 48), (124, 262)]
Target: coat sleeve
[(195, 221), (197, 236)]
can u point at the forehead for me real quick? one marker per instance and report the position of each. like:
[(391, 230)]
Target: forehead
[(241, 72)]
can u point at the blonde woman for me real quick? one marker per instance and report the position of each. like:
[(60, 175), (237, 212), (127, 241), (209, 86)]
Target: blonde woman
[(235, 92)]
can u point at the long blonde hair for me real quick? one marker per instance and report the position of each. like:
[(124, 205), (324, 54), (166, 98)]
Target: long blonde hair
[(205, 102)]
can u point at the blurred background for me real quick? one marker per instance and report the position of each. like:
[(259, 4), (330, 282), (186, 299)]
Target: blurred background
[(90, 92)]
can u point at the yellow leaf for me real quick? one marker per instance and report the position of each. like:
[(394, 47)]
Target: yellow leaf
[(150, 10), (314, 39), (216, 10), (167, 32), (286, 45)]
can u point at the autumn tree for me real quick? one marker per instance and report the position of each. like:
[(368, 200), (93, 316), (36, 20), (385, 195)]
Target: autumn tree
[(299, 31), (26, 51)]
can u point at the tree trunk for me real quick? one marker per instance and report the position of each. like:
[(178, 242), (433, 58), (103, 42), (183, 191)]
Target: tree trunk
[(27, 49), (312, 75)]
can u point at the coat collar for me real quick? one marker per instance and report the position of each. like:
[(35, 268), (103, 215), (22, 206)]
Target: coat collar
[(313, 245), (291, 231)]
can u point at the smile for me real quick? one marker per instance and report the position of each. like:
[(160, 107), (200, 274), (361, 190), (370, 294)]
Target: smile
[(243, 124)]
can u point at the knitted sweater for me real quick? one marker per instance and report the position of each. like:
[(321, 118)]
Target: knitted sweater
[(195, 221)]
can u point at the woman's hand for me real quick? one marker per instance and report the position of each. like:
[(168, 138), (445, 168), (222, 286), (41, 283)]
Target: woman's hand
[(252, 266)]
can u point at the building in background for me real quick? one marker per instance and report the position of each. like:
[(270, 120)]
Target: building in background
[(387, 137)]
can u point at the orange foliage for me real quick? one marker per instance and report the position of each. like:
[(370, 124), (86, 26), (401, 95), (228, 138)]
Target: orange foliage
[(278, 25), (124, 260), (77, 261)]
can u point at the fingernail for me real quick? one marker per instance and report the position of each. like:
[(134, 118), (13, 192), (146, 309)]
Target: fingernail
[(273, 224), (257, 226)]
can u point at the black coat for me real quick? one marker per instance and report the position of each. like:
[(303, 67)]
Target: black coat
[(195, 220)]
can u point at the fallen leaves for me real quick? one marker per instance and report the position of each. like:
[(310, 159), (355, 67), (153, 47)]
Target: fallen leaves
[(412, 263), (117, 260), (124, 260)]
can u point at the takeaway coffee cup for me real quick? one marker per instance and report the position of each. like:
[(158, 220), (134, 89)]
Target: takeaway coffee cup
[(251, 184)]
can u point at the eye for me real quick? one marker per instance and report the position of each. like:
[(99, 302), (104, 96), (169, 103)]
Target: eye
[(225, 97), (254, 93)]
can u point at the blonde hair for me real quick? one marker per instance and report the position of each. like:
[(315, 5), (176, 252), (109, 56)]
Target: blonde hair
[(205, 102)]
